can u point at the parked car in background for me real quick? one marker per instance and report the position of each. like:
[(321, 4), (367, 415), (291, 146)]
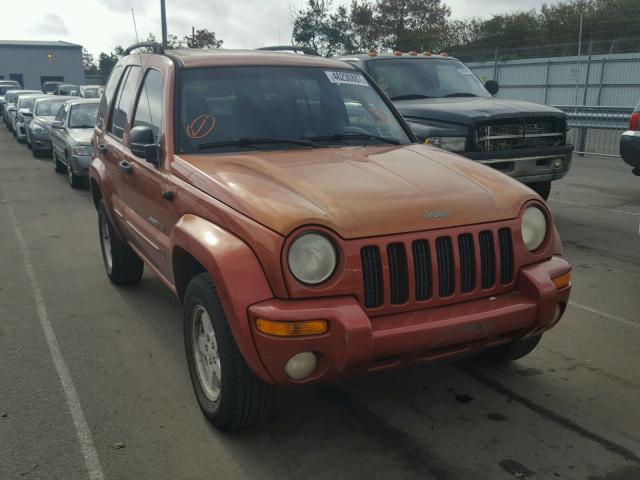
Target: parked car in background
[(51, 88), (447, 106), (630, 142), (90, 91), (70, 135), (68, 90), (284, 200), (3, 92), (44, 112), (9, 109), (23, 112), (11, 83)]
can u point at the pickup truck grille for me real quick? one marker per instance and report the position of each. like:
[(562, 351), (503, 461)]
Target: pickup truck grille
[(437, 267), (492, 136)]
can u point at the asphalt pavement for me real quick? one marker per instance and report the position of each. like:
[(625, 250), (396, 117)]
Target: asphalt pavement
[(94, 382)]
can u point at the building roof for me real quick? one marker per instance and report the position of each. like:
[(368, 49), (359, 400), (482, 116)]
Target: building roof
[(38, 43)]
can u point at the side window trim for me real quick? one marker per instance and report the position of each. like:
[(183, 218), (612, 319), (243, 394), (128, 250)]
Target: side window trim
[(117, 98), (139, 94)]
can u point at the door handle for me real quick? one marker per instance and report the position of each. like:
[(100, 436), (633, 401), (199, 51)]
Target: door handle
[(126, 167), (102, 148)]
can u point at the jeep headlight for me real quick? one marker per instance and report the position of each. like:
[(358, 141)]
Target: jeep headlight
[(82, 150), (312, 258), (534, 227), (453, 144)]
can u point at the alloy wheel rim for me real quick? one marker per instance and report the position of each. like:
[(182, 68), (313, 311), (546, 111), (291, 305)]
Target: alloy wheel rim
[(106, 243), (205, 353)]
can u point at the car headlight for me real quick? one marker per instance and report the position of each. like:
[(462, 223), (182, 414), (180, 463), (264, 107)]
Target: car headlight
[(37, 128), (82, 150), (312, 258), (534, 227), (453, 144)]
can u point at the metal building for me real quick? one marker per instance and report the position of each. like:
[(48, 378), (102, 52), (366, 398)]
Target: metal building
[(33, 62)]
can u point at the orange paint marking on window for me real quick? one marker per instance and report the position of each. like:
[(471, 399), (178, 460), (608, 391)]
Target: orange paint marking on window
[(201, 126)]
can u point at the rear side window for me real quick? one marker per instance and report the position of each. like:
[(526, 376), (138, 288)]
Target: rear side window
[(148, 111), (123, 101), (108, 94)]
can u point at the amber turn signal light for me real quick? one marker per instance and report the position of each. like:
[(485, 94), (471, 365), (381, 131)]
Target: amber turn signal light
[(562, 281), (298, 328)]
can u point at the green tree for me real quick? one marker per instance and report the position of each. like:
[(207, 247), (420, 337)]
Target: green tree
[(203, 39), (89, 63)]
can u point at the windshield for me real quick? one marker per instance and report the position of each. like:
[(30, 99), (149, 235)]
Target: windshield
[(48, 108), (26, 102), (91, 93), (407, 79), (69, 90), (256, 108), (5, 88), (83, 115)]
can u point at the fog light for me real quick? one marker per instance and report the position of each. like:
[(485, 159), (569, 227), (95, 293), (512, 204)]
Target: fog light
[(557, 163), (301, 365)]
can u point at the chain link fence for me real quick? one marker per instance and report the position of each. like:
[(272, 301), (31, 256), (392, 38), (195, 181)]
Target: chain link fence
[(597, 83)]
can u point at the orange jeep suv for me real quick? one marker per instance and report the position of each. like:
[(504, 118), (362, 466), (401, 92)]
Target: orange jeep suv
[(285, 202)]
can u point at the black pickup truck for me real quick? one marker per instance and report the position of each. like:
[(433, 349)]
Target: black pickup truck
[(446, 105)]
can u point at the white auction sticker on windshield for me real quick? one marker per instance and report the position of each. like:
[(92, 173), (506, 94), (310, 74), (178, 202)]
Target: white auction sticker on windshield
[(347, 78)]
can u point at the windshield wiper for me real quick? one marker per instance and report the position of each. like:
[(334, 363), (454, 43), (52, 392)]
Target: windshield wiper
[(412, 96), (461, 94), (253, 141), (354, 135)]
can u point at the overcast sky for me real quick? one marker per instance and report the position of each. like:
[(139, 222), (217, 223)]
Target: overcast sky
[(99, 25)]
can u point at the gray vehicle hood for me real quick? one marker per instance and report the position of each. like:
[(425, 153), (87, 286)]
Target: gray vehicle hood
[(81, 136), (467, 110)]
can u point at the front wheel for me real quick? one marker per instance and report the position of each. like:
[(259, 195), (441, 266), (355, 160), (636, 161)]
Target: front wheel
[(75, 181), (229, 395), (541, 188), (120, 261), (508, 352)]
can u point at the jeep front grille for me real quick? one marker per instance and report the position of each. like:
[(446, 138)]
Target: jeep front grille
[(441, 266), (492, 136)]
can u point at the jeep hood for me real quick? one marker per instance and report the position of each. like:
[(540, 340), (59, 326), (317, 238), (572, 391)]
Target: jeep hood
[(356, 191), (467, 110)]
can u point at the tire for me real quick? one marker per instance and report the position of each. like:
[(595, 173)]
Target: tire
[(240, 399), (36, 153), (75, 181), (541, 188), (122, 264), (58, 166), (508, 352)]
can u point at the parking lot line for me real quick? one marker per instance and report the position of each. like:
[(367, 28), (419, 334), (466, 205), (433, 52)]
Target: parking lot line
[(83, 432), (582, 205), (630, 323)]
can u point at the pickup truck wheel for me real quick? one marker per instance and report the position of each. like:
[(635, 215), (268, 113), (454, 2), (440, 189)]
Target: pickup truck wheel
[(509, 351), (229, 395), (120, 261), (58, 167), (541, 188)]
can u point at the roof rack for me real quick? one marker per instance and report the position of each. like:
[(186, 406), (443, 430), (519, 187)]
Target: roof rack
[(154, 46), (291, 48)]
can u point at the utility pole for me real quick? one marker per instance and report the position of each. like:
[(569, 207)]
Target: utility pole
[(578, 63), (163, 19), (193, 37)]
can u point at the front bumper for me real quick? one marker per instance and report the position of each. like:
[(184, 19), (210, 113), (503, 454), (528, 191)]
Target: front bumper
[(528, 165), (20, 131), (356, 343), (630, 149), (80, 164)]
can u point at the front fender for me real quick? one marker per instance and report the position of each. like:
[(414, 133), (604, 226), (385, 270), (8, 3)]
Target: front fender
[(236, 272)]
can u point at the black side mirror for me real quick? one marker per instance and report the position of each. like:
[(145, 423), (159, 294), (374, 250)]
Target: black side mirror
[(142, 144), (492, 86), (57, 124)]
